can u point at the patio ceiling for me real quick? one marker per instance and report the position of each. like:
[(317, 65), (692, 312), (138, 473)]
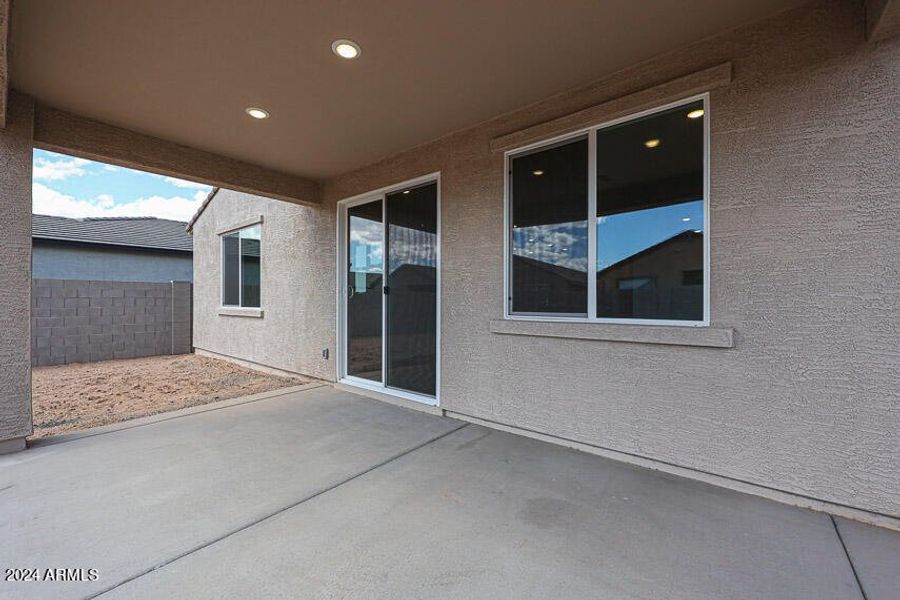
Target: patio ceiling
[(185, 71)]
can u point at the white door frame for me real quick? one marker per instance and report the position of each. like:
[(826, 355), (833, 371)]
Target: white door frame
[(341, 312)]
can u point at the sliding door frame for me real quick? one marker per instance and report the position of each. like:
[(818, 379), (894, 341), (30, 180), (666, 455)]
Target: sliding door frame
[(341, 287)]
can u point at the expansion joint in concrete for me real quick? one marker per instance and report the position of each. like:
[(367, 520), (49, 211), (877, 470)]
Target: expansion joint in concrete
[(279, 511)]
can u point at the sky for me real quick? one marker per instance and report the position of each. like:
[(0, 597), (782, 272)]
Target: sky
[(65, 186), (618, 236)]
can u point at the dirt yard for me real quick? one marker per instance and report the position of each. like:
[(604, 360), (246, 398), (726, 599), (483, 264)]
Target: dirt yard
[(78, 396)]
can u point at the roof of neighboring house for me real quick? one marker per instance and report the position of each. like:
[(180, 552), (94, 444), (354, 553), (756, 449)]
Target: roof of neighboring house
[(209, 197), (134, 232), (687, 234)]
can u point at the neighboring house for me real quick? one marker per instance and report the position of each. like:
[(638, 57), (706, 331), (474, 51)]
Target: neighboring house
[(110, 249), (105, 288)]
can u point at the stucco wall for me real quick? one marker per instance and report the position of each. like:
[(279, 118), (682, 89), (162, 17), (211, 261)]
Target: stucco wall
[(15, 270), (69, 261), (805, 226), (805, 234), (295, 286)]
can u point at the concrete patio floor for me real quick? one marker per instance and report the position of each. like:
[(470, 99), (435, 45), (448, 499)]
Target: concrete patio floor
[(324, 494)]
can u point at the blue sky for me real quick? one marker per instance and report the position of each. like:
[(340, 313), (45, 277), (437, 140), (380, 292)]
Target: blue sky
[(618, 236), (74, 187)]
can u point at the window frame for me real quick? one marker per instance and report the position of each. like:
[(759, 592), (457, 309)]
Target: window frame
[(221, 235), (591, 132)]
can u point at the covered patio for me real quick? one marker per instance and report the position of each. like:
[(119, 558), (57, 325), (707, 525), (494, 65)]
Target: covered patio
[(742, 337), (320, 493)]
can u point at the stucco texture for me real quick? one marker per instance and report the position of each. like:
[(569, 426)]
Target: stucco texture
[(805, 231), (296, 287), (15, 270)]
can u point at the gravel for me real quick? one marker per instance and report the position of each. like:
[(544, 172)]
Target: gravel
[(78, 396)]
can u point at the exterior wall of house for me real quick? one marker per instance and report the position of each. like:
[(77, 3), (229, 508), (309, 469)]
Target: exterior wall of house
[(805, 234), (50, 260), (297, 296), (15, 273), (805, 267)]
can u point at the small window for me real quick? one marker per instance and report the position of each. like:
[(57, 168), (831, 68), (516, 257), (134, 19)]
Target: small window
[(632, 246), (636, 283), (241, 267)]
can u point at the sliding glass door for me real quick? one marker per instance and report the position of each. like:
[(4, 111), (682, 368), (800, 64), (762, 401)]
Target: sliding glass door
[(412, 289), (391, 300), (365, 280)]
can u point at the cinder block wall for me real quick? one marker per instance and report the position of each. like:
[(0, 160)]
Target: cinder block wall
[(83, 321)]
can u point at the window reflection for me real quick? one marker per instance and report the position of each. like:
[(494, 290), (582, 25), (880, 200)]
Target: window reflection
[(412, 280), (650, 217), (231, 270), (549, 235), (365, 261), (250, 266)]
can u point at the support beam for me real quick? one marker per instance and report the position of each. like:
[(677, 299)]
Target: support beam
[(65, 132), (882, 19), (4, 59), (15, 274)]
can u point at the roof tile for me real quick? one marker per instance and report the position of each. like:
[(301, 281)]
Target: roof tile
[(139, 232)]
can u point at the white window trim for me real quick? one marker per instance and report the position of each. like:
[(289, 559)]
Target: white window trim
[(592, 226), (250, 222), (239, 309), (341, 286)]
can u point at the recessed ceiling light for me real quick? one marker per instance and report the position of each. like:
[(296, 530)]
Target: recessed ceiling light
[(652, 143), (405, 191), (685, 219), (346, 49), (695, 114), (537, 173), (256, 112)]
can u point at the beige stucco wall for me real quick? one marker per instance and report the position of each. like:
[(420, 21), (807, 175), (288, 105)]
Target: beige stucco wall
[(805, 233), (15, 273), (295, 282)]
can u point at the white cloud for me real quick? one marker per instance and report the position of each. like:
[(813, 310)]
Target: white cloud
[(111, 168), (53, 170), (47, 201), (182, 183), (105, 201), (556, 244)]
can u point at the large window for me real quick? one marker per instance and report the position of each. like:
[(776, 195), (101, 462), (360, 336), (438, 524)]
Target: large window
[(241, 267), (610, 224)]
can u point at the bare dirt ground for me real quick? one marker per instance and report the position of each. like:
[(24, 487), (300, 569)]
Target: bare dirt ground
[(78, 396)]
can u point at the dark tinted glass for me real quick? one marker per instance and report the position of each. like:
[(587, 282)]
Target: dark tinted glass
[(412, 289), (650, 217), (549, 230), (365, 268), (231, 270), (250, 264)]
